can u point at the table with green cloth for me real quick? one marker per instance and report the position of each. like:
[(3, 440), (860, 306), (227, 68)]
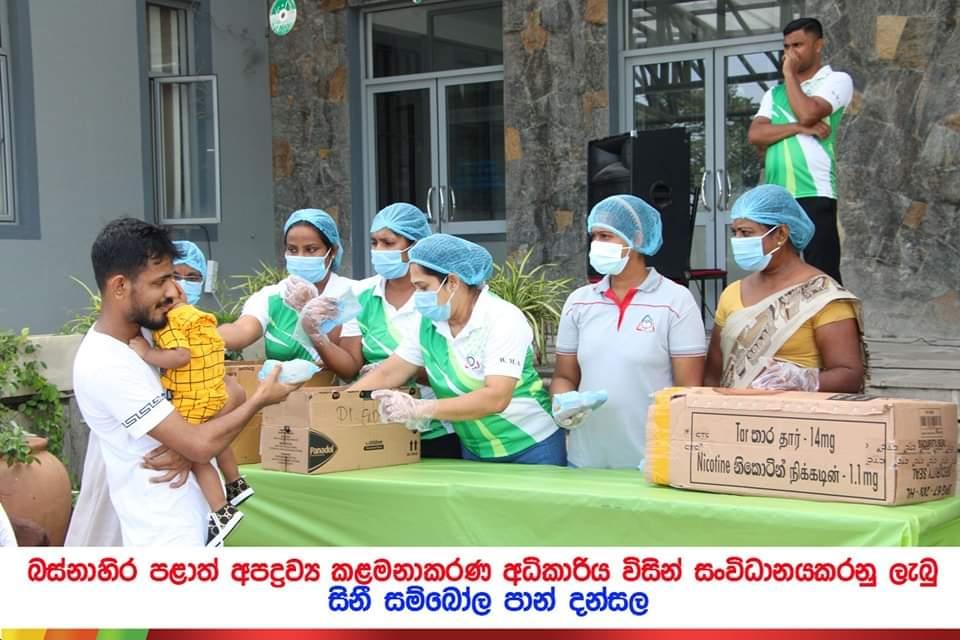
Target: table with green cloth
[(464, 503)]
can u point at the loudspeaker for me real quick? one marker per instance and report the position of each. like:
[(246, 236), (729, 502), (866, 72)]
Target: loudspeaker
[(653, 165)]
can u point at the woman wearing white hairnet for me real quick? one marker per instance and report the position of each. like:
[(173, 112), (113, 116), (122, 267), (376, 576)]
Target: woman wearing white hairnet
[(787, 325), (307, 298), (622, 339), (477, 351), (388, 310)]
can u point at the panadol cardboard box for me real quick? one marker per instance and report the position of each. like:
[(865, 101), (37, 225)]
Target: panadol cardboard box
[(246, 446), (814, 446), (330, 429)]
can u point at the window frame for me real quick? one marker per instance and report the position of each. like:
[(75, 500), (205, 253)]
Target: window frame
[(628, 46), (159, 169), (187, 75), (8, 214)]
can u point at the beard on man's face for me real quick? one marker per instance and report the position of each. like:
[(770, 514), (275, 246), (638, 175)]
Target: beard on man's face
[(152, 317)]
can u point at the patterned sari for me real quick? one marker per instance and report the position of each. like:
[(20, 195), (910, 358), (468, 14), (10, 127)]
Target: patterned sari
[(756, 333)]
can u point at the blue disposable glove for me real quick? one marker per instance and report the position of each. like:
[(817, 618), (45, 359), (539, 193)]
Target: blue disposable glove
[(570, 408), (291, 372)]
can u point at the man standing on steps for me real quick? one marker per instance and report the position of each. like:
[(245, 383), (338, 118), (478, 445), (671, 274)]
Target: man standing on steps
[(796, 129)]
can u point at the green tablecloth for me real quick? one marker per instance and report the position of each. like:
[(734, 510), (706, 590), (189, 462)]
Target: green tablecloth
[(454, 502)]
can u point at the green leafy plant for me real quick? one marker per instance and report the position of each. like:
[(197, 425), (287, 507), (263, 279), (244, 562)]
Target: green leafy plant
[(538, 297), (239, 293), (13, 444), (82, 321), (21, 376), (247, 285)]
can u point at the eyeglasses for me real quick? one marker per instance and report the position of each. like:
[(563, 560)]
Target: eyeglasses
[(190, 278)]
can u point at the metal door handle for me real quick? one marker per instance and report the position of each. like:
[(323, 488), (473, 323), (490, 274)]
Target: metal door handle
[(429, 200), (453, 204), (726, 202), (443, 204), (719, 177), (703, 193)]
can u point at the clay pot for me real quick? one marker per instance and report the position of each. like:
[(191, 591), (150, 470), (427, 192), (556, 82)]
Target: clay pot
[(39, 491)]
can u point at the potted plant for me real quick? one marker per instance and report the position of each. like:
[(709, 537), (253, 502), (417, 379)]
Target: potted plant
[(538, 297), (34, 484)]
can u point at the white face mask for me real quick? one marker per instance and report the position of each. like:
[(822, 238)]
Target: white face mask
[(607, 257)]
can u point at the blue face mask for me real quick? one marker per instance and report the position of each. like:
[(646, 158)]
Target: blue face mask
[(748, 252), (427, 305), (389, 264), (311, 269), (193, 290)]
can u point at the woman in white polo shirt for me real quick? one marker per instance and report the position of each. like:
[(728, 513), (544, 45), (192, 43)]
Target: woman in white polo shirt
[(630, 335), (313, 252), (388, 311), (477, 351)]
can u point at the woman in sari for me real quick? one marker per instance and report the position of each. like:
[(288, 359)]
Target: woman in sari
[(786, 326)]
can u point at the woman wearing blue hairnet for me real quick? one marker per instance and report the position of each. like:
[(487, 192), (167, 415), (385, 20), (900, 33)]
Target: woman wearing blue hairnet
[(308, 296), (787, 325), (477, 351), (388, 310), (621, 340)]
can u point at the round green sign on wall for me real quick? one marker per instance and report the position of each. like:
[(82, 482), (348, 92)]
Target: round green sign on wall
[(283, 15)]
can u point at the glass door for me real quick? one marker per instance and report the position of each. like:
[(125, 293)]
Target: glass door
[(433, 117), (438, 143), (745, 74), (676, 90), (472, 158), (713, 92), (402, 145)]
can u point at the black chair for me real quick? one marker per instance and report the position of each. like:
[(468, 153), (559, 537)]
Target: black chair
[(701, 276)]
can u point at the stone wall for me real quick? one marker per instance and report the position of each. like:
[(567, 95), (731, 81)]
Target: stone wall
[(556, 99), (899, 156), (311, 116)]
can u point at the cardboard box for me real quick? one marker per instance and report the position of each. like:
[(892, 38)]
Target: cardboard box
[(326, 407), (814, 446), (332, 429), (328, 449), (246, 446)]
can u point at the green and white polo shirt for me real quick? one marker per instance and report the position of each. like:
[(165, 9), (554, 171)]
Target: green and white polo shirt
[(382, 327), (803, 164), (497, 341), (280, 321)]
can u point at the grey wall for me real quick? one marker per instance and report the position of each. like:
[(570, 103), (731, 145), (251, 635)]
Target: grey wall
[(90, 148), (239, 44), (89, 156)]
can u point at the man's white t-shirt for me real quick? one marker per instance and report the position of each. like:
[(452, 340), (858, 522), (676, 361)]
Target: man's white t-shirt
[(7, 537), (121, 400)]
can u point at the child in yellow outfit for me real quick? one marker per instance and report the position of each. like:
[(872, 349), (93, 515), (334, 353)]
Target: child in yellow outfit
[(190, 351)]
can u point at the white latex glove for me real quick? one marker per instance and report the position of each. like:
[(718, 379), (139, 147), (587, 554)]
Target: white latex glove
[(297, 292), (786, 376), (314, 313), (367, 368), (396, 406)]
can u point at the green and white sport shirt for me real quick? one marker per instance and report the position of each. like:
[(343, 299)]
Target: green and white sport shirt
[(279, 321), (382, 327), (805, 165), (497, 341)]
